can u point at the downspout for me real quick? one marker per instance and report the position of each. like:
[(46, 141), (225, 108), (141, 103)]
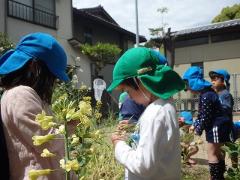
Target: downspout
[(5, 16)]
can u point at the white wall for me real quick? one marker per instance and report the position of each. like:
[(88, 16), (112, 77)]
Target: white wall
[(18, 28)]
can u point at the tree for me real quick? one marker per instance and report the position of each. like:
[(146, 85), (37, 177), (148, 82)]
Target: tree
[(5, 43), (228, 13), (159, 31), (101, 54)]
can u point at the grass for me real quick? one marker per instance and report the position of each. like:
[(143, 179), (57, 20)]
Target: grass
[(196, 172), (104, 166)]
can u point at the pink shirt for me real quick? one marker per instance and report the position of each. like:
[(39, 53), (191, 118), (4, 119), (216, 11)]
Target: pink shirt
[(19, 106)]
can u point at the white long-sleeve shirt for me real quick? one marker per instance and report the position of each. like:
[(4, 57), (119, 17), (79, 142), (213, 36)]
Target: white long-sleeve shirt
[(157, 156)]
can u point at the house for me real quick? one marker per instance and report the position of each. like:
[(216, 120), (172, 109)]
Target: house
[(92, 25), (212, 46), (20, 17), (70, 26)]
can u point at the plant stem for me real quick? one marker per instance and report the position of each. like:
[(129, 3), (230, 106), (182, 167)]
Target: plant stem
[(66, 148)]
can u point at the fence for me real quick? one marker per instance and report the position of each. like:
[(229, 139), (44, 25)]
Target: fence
[(31, 14), (191, 104)]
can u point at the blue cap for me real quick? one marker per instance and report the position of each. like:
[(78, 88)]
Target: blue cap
[(237, 124), (162, 59), (221, 72), (194, 76), (38, 46), (187, 117)]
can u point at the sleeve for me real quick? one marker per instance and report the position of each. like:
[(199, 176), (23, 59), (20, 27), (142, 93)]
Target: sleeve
[(227, 102), (24, 109), (143, 160), (205, 115)]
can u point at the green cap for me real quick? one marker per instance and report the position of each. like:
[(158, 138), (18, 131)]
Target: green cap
[(143, 63)]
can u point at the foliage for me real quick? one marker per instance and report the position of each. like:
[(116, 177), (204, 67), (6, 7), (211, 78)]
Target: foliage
[(103, 165), (101, 53), (233, 150), (199, 173), (74, 121), (228, 13), (5, 43), (159, 31)]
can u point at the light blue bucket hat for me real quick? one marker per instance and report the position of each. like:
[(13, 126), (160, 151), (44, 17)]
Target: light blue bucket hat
[(194, 76), (188, 119), (38, 46)]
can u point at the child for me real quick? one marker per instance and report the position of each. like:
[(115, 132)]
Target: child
[(211, 118), (28, 76), (189, 147), (220, 83), (157, 155), (129, 110)]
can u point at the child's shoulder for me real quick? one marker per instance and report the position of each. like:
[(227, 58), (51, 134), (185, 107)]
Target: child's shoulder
[(209, 94)]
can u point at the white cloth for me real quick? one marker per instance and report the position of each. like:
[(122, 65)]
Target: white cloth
[(157, 156)]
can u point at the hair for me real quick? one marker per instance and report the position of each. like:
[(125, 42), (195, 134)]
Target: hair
[(40, 79), (213, 75), (131, 82)]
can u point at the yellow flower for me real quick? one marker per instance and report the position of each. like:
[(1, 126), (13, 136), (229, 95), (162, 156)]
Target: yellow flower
[(34, 174), (85, 121), (38, 140), (83, 87), (75, 139), (62, 163), (60, 130), (85, 108), (46, 153), (71, 114), (87, 99), (45, 121), (70, 165), (98, 115)]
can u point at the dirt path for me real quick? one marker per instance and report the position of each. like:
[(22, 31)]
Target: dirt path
[(201, 156)]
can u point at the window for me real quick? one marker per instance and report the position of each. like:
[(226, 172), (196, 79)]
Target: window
[(87, 35), (191, 42), (199, 64), (225, 37), (40, 12)]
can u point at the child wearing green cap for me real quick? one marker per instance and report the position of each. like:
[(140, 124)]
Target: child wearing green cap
[(157, 155), (28, 73)]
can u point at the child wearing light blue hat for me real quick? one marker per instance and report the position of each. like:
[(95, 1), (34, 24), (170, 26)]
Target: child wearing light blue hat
[(220, 83), (28, 73), (211, 118)]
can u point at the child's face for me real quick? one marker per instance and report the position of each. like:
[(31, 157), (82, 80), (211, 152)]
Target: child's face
[(137, 95), (217, 82)]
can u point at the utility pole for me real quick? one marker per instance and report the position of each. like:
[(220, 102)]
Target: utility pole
[(137, 33)]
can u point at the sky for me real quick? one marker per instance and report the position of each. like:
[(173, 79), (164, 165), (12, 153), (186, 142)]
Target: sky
[(181, 14)]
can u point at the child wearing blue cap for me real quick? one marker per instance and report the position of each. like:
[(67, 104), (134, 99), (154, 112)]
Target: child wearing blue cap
[(211, 118), (28, 73), (220, 83), (157, 155), (129, 110)]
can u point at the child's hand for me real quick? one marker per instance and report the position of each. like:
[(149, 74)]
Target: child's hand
[(125, 121), (116, 137)]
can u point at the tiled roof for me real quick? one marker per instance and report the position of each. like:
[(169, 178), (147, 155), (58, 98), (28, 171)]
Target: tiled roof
[(92, 16), (207, 28)]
